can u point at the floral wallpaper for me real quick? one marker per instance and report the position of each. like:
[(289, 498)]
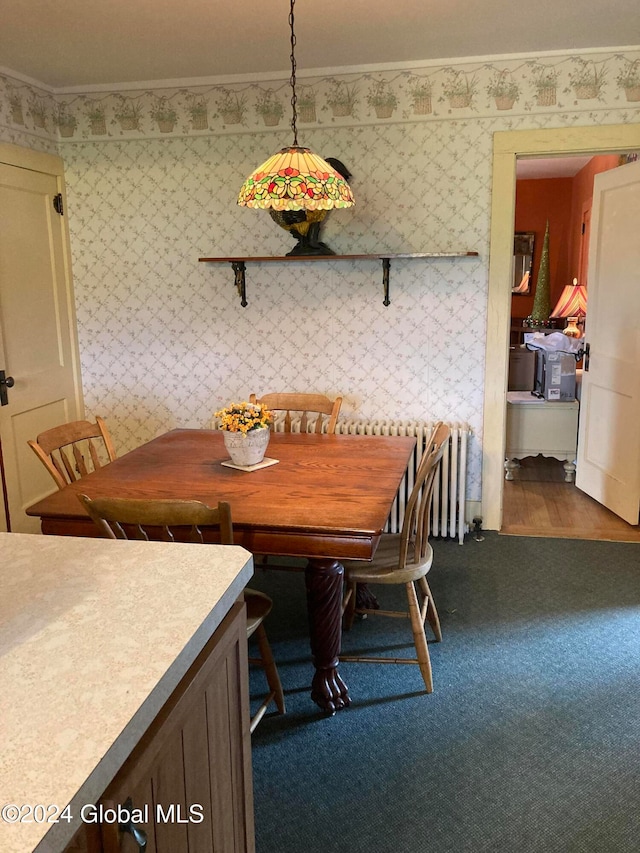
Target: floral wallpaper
[(152, 179)]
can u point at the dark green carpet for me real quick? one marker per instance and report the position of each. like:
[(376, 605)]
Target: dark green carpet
[(529, 743)]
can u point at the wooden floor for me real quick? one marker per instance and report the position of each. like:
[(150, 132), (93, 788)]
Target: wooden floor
[(538, 502)]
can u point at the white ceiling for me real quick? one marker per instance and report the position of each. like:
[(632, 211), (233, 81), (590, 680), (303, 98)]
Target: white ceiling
[(84, 43), (550, 167)]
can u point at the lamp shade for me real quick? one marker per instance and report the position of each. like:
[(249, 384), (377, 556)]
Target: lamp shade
[(295, 179), (572, 302)]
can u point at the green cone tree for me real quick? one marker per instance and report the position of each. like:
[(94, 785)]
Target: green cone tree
[(542, 299)]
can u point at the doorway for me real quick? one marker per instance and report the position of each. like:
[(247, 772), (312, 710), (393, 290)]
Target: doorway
[(507, 147), (558, 191)]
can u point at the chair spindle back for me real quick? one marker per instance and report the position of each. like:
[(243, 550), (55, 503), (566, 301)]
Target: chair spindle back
[(128, 518), (306, 405), (416, 523), (70, 452)]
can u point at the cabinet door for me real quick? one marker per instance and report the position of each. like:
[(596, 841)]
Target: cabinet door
[(86, 840), (190, 776)]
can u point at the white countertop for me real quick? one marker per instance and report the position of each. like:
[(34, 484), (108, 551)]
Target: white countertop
[(95, 635)]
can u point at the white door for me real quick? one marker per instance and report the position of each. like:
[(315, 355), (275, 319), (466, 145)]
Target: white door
[(608, 466), (38, 345)]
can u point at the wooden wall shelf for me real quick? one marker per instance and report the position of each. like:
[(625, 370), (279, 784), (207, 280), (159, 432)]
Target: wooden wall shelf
[(239, 264)]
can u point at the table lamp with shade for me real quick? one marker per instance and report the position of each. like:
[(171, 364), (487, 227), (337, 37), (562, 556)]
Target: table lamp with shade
[(572, 305)]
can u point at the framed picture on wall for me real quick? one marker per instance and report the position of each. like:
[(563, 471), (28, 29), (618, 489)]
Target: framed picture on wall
[(630, 157), (523, 246)]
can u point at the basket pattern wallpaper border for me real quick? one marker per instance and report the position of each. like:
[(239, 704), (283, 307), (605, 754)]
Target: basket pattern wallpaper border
[(547, 83)]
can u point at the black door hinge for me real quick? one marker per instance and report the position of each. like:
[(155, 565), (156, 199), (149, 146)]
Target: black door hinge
[(57, 204)]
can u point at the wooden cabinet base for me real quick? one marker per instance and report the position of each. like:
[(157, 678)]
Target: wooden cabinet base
[(187, 786)]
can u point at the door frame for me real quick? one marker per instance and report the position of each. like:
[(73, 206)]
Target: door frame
[(507, 147)]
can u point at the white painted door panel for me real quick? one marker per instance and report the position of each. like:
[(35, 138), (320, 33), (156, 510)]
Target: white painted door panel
[(38, 335), (608, 467)]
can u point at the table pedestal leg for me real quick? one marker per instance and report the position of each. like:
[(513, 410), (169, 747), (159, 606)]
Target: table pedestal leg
[(324, 603)]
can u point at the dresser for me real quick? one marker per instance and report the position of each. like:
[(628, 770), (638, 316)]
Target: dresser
[(537, 427)]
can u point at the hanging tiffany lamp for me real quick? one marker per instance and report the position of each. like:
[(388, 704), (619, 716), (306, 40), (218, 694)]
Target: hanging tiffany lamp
[(295, 178)]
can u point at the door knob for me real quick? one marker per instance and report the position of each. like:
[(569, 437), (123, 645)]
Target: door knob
[(5, 382)]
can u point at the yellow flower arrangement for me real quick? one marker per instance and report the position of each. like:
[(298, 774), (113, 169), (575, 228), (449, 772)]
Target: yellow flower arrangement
[(244, 417)]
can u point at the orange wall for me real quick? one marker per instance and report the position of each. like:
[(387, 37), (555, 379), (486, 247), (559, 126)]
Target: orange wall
[(582, 195), (562, 201), (537, 201)]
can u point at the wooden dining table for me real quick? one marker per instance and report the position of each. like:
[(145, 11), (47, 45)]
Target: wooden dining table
[(327, 499)]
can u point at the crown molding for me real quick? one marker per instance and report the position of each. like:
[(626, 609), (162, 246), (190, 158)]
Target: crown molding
[(29, 81), (343, 71)]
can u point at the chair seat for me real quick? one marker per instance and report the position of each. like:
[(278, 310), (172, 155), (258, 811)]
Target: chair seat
[(258, 608), (384, 567)]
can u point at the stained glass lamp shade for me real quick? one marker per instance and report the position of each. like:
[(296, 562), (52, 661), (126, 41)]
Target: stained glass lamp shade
[(295, 179)]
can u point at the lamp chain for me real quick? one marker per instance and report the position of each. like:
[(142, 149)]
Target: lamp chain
[(294, 98)]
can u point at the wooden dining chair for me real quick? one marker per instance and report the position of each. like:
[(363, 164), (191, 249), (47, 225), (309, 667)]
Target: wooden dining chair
[(168, 520), (304, 406), (405, 558), (71, 451)]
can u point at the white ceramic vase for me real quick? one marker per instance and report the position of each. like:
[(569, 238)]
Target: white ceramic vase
[(247, 448)]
